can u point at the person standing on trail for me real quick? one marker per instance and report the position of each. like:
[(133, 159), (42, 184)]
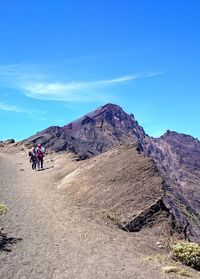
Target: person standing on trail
[(33, 158), (40, 155)]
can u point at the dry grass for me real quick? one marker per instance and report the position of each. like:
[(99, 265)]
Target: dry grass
[(157, 258), (112, 216), (176, 269), (168, 265)]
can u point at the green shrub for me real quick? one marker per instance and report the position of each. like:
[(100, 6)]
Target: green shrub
[(188, 253), (3, 209)]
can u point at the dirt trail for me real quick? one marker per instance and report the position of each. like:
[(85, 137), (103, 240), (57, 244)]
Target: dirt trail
[(54, 238)]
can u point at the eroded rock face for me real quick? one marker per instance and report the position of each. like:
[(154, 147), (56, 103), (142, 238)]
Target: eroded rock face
[(177, 157), (122, 185), (93, 133)]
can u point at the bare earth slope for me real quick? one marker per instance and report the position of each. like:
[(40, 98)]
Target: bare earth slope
[(56, 239), (122, 184)]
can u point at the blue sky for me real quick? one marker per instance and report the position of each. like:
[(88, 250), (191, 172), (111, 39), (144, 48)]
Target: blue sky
[(60, 59)]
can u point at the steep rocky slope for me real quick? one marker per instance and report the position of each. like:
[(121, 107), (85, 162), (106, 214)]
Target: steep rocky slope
[(93, 133), (123, 185), (177, 156)]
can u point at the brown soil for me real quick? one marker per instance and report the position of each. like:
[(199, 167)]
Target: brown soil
[(122, 185), (50, 235)]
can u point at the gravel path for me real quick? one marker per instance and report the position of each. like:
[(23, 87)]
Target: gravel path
[(53, 237)]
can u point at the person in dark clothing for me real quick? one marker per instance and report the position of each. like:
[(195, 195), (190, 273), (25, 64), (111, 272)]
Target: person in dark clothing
[(33, 158)]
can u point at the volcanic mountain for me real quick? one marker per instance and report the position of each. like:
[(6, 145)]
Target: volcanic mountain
[(177, 157), (93, 133)]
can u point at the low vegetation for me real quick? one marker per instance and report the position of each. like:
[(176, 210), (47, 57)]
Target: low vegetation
[(176, 269), (157, 258), (168, 265), (3, 209), (187, 253), (112, 216)]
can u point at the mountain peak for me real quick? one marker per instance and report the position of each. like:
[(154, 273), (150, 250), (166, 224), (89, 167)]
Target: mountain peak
[(94, 133), (111, 106)]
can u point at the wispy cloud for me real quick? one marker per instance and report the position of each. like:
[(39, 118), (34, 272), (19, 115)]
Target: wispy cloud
[(31, 81), (31, 113), (76, 91), (15, 75), (10, 108)]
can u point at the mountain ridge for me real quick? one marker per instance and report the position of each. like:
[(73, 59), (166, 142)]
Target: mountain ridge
[(177, 156), (91, 134)]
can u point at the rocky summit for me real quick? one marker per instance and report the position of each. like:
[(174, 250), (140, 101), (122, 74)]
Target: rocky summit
[(93, 133), (177, 157)]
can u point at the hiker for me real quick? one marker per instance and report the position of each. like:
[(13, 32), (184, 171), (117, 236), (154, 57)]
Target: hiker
[(40, 155), (33, 158)]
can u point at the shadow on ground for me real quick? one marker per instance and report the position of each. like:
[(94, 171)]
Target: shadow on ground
[(6, 242), (47, 168)]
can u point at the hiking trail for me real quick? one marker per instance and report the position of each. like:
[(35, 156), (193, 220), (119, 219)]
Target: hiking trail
[(49, 237)]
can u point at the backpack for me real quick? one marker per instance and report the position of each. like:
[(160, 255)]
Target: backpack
[(40, 152), (32, 153)]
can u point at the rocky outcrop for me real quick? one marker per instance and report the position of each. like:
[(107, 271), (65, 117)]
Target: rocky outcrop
[(177, 157), (93, 133), (7, 142), (124, 186), (150, 216)]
